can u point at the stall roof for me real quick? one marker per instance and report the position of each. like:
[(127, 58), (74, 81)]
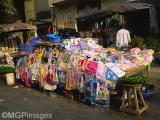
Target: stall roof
[(18, 26), (118, 8), (95, 14)]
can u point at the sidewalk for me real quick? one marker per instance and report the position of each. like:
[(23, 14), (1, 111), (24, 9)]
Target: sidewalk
[(23, 99)]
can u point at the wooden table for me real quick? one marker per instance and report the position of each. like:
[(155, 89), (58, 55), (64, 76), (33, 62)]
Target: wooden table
[(132, 101)]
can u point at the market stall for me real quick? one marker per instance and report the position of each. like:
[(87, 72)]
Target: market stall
[(15, 34), (82, 65), (11, 38)]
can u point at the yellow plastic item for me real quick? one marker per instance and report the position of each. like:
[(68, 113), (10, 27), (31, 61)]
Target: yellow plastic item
[(111, 49)]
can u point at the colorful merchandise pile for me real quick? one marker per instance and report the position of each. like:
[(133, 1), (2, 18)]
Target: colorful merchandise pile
[(83, 65)]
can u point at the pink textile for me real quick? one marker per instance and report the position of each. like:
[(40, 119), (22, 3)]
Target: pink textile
[(101, 69), (92, 67)]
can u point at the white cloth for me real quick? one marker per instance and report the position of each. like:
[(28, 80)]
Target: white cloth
[(122, 38)]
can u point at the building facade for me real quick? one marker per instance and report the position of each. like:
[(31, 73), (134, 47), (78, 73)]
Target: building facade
[(38, 12), (144, 13)]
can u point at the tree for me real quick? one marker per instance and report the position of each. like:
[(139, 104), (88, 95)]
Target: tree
[(11, 10)]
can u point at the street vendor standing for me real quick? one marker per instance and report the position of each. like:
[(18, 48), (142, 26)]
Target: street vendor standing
[(122, 38)]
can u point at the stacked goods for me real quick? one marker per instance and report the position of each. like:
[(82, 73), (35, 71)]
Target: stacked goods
[(77, 64)]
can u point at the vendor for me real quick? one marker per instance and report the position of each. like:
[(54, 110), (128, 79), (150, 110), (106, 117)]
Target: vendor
[(122, 38)]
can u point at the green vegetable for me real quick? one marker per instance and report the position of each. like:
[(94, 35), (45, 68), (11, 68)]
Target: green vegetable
[(135, 80), (7, 69)]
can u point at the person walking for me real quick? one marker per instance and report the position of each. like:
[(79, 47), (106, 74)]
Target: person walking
[(122, 38)]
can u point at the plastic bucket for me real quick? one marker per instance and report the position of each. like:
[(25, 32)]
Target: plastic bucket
[(10, 79)]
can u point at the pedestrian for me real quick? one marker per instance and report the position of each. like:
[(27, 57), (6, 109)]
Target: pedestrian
[(123, 38)]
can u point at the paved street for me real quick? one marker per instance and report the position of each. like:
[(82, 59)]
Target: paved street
[(32, 101)]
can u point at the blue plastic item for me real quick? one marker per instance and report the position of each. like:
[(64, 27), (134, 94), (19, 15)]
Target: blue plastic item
[(52, 35), (54, 38), (35, 40), (29, 49), (148, 91), (148, 94), (157, 59)]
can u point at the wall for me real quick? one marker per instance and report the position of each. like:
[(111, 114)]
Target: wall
[(154, 20), (66, 15), (41, 5), (107, 3), (43, 11), (32, 7), (29, 10), (55, 1), (63, 12)]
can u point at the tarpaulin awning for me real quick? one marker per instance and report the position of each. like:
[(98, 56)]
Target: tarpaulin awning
[(117, 8), (95, 14), (18, 26)]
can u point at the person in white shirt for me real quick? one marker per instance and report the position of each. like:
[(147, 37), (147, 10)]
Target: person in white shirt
[(122, 38)]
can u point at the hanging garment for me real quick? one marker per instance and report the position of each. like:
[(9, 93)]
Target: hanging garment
[(26, 79), (93, 87), (66, 58), (80, 61), (50, 77), (59, 60), (22, 61), (46, 55), (29, 72), (50, 58), (64, 66), (34, 72), (101, 70), (102, 92), (92, 90), (75, 78), (40, 55), (22, 73), (54, 74), (57, 53), (82, 82), (49, 87), (17, 73), (72, 63), (82, 65), (92, 67), (18, 69), (61, 76), (42, 76), (53, 60), (72, 81), (122, 38), (69, 82)]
